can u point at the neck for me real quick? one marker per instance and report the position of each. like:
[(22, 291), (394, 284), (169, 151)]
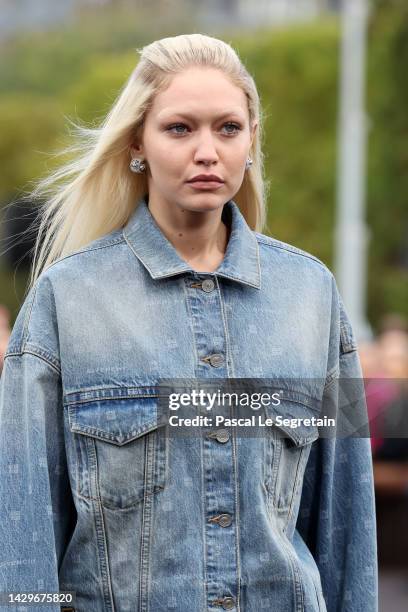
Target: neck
[(200, 238)]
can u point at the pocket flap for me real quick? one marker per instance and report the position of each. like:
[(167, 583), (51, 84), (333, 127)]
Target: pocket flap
[(116, 415), (296, 417)]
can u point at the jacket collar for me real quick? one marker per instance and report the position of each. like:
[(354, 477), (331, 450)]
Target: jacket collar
[(160, 258)]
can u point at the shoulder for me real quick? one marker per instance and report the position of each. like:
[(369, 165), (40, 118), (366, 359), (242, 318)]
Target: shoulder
[(302, 266), (95, 250), (35, 329), (285, 253)]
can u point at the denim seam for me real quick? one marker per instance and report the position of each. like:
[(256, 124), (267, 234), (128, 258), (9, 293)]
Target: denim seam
[(46, 358), (275, 444), (146, 531), (116, 398), (83, 472), (100, 434), (317, 595), (28, 317), (86, 498), (204, 517), (299, 589), (100, 530), (44, 354), (87, 250), (237, 522), (19, 346), (98, 396), (294, 251), (296, 486), (191, 319), (230, 363), (132, 504)]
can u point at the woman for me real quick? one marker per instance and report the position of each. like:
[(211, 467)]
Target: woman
[(152, 269)]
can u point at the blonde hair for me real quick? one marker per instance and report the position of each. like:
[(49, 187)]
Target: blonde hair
[(96, 193)]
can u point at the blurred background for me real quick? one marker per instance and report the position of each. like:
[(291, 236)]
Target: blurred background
[(332, 76)]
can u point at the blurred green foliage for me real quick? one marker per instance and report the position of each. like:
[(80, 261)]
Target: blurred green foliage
[(78, 74), (387, 189)]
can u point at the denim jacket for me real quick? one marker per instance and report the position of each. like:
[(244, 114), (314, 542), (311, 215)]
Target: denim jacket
[(96, 501)]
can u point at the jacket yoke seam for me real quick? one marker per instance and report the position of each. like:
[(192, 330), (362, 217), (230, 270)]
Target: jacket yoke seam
[(290, 249), (88, 250), (38, 352)]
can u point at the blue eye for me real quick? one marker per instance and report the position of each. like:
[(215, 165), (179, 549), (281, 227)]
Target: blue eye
[(235, 127), (180, 128), (174, 128)]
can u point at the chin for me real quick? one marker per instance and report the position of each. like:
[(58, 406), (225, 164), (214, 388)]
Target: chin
[(204, 202)]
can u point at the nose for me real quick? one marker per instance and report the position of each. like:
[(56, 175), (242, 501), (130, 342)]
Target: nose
[(206, 151)]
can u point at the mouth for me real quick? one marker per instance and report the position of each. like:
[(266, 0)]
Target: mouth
[(205, 184)]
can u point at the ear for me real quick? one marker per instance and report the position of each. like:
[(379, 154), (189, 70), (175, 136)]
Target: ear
[(136, 150), (253, 131)]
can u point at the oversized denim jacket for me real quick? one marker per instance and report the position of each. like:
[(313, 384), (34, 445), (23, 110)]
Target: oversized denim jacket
[(95, 501)]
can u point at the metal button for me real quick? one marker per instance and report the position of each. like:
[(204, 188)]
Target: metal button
[(228, 603), (222, 435), (224, 520), (208, 285), (216, 360)]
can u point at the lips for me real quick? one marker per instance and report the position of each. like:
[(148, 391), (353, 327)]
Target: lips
[(206, 178)]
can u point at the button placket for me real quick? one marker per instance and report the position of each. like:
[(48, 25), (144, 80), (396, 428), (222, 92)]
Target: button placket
[(208, 325), (220, 531)]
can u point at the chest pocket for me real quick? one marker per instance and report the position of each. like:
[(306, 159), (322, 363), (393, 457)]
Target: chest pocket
[(287, 448), (120, 444)]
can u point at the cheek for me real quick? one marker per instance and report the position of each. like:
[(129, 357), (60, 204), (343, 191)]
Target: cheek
[(235, 160), (166, 156), (236, 152)]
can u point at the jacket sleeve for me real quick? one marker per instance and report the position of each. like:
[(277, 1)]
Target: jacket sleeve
[(337, 510), (36, 506)]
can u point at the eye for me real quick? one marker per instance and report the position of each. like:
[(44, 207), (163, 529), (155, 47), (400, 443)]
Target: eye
[(230, 128), (233, 128), (177, 128)]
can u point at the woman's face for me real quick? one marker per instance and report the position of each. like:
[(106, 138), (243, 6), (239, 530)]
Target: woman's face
[(198, 125)]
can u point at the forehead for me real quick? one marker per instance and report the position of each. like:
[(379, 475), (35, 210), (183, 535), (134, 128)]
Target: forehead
[(201, 90)]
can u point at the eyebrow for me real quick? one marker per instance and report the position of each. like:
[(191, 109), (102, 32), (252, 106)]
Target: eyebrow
[(192, 117)]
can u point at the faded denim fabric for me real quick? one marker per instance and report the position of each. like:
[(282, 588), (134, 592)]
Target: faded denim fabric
[(94, 499)]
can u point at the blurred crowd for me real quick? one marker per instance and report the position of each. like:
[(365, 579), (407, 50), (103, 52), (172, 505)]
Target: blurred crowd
[(384, 362)]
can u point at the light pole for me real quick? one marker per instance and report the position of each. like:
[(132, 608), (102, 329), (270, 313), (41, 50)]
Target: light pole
[(351, 232)]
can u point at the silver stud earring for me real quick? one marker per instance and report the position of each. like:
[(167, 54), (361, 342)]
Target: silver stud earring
[(248, 163), (137, 165)]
